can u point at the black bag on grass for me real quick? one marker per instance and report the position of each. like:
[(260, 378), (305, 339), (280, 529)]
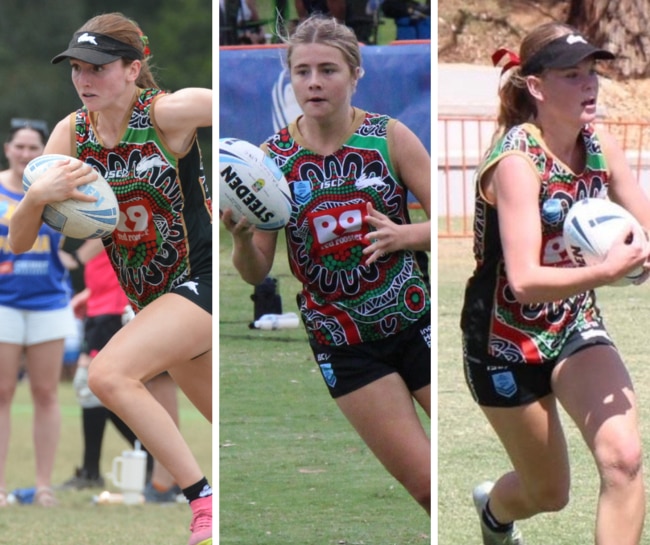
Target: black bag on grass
[(266, 299)]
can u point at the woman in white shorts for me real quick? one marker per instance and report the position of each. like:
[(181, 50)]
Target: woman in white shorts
[(35, 317)]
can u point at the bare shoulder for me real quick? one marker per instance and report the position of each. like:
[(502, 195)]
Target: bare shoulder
[(191, 106), (61, 138)]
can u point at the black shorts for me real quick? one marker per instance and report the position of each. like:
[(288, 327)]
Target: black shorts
[(197, 289), (494, 383), (98, 330), (350, 367)]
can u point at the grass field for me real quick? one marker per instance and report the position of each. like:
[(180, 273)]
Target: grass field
[(468, 450), (292, 470), (76, 520)]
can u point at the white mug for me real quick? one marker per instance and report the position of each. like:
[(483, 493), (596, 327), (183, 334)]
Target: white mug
[(129, 474)]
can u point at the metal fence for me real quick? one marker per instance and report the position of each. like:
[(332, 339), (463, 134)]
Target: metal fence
[(462, 141)]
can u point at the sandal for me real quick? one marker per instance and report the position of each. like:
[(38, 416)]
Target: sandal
[(44, 497)]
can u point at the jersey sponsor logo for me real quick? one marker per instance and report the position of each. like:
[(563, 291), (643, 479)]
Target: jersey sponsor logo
[(338, 228), (135, 226)]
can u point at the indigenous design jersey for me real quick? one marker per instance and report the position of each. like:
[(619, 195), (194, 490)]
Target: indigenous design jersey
[(343, 300), (492, 320), (164, 235), (35, 280)]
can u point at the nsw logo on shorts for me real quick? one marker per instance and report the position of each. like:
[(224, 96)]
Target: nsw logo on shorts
[(504, 384), (328, 374)]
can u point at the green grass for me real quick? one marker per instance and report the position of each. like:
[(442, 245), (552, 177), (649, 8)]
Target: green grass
[(292, 470), (76, 520), (469, 451)]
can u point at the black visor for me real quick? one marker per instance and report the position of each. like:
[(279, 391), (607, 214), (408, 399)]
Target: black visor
[(564, 52), (97, 49)]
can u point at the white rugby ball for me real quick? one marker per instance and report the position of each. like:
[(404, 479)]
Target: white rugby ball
[(74, 218), (252, 185), (590, 228)]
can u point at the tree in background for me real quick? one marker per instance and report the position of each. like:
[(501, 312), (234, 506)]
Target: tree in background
[(621, 27), (33, 31)]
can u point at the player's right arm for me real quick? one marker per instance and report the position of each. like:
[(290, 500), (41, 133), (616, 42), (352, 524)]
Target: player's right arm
[(253, 250), (57, 184), (513, 187)]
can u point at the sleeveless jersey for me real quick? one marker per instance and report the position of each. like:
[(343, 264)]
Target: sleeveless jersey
[(34, 280), (492, 321), (164, 235), (343, 300)]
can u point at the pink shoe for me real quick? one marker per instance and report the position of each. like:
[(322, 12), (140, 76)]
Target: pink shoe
[(201, 526)]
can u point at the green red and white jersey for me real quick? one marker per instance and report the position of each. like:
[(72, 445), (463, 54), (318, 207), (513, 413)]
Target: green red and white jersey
[(164, 235), (344, 300), (492, 319)]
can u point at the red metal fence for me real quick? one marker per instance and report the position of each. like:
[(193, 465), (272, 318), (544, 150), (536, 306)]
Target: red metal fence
[(462, 140)]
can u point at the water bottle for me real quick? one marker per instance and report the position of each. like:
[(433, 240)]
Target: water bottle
[(287, 320)]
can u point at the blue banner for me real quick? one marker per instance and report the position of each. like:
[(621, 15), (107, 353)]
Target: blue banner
[(256, 99)]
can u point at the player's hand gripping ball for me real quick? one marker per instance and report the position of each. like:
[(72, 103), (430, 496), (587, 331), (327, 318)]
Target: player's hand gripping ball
[(590, 228), (74, 218)]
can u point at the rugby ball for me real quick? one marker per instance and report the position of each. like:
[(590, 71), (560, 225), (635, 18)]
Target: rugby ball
[(590, 228), (74, 218), (252, 185)]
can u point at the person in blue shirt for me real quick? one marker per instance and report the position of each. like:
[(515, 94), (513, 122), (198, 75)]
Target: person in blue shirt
[(35, 316)]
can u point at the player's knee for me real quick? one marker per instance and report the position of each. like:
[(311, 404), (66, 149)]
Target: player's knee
[(619, 465), (102, 382)]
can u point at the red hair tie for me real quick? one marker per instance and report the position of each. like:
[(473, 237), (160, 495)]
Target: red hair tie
[(513, 59)]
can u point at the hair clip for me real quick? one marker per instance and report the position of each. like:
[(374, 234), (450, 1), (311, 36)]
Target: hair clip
[(513, 59), (145, 43)]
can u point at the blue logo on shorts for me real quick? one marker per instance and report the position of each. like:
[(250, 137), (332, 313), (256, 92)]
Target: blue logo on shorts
[(504, 384), (328, 374)]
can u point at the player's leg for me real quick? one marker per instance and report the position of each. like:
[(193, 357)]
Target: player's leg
[(169, 334), (384, 415), (595, 388), (161, 486), (195, 380), (423, 397), (533, 438)]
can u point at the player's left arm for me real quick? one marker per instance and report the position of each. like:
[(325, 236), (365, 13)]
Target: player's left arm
[(413, 166), (624, 188), (178, 115)]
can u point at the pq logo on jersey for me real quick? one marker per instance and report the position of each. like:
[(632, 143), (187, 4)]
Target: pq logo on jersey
[(338, 227)]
